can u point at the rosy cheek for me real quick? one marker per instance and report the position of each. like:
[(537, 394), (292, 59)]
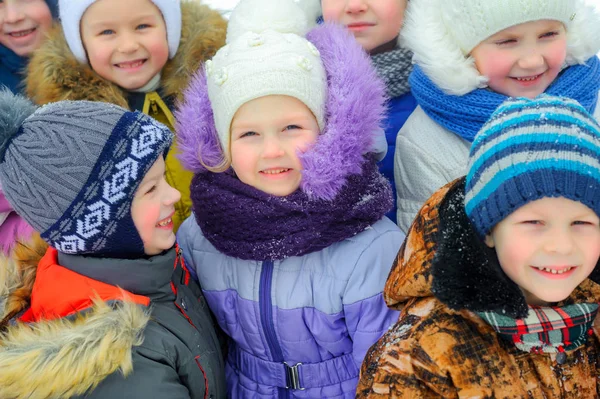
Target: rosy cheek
[(495, 67), (558, 56), (331, 15), (149, 220)]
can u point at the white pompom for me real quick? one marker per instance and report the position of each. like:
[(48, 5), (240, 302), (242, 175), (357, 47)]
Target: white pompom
[(256, 16)]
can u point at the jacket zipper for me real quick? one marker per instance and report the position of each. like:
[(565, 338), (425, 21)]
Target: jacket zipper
[(179, 260), (266, 317)]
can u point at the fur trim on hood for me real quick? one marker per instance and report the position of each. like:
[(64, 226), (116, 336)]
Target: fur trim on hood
[(442, 60), (354, 110), (54, 73), (17, 275), (444, 257), (63, 357), (66, 357)]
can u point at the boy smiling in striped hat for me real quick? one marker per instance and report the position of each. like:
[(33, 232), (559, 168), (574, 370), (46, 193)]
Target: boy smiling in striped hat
[(498, 280)]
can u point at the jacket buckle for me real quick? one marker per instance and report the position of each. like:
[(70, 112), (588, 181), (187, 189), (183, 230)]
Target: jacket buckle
[(292, 377)]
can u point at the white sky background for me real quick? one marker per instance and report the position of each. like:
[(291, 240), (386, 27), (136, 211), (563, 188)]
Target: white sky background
[(226, 6)]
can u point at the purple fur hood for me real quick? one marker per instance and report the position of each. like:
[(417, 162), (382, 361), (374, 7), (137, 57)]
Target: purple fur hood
[(354, 112)]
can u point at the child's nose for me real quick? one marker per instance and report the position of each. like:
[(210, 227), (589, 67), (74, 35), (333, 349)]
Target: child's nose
[(13, 13), (272, 148), (173, 196), (531, 59), (128, 44), (559, 241), (356, 6)]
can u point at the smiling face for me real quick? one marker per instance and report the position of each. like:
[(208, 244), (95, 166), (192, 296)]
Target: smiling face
[(266, 135), (152, 210), (548, 247), (125, 41), (523, 60), (373, 22), (24, 24)]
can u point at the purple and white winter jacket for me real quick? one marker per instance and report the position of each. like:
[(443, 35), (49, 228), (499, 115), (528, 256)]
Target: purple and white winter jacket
[(299, 327), (303, 322)]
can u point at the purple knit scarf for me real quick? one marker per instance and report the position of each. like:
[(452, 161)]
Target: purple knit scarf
[(246, 223)]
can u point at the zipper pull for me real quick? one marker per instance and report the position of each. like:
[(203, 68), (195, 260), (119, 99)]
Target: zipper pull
[(153, 106)]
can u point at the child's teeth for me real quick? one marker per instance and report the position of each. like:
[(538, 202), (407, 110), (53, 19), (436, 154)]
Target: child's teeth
[(131, 64), (554, 271), (275, 171), (22, 33), (164, 223)]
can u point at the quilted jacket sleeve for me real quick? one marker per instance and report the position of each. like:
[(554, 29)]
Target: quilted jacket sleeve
[(367, 316)]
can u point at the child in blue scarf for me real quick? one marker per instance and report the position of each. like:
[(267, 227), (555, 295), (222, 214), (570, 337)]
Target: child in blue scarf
[(470, 56), (23, 27)]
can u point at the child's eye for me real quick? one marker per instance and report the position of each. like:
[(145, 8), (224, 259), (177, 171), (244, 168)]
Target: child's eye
[(549, 34), (582, 223), (505, 42), (107, 32), (142, 26), (292, 127), (532, 222), (151, 190), (248, 134)]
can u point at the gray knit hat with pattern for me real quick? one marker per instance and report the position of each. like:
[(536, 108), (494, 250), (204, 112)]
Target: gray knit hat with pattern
[(71, 169)]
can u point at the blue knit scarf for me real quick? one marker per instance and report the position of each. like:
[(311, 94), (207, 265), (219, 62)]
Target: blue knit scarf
[(465, 115)]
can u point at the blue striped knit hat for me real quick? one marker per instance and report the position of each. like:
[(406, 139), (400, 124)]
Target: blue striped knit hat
[(528, 150)]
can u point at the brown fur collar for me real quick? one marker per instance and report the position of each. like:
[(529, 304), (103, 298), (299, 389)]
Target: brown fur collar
[(17, 275), (67, 357), (443, 257), (54, 74), (63, 357)]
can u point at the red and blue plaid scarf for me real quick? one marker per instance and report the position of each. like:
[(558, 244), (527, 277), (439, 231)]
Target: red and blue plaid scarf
[(546, 329)]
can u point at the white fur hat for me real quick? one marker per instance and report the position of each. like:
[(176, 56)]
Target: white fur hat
[(71, 12), (266, 54), (442, 33)]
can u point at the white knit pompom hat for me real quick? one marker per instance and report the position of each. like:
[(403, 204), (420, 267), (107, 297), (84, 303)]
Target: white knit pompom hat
[(442, 33), (266, 54), (71, 12)]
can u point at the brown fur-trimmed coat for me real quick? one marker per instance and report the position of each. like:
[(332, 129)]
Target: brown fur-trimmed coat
[(434, 351), (54, 74)]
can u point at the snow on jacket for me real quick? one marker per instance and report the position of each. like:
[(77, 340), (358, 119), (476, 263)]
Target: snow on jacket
[(322, 310), (54, 74), (137, 329)]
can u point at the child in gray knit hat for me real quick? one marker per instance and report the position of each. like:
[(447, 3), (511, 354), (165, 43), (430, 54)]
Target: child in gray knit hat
[(112, 311)]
